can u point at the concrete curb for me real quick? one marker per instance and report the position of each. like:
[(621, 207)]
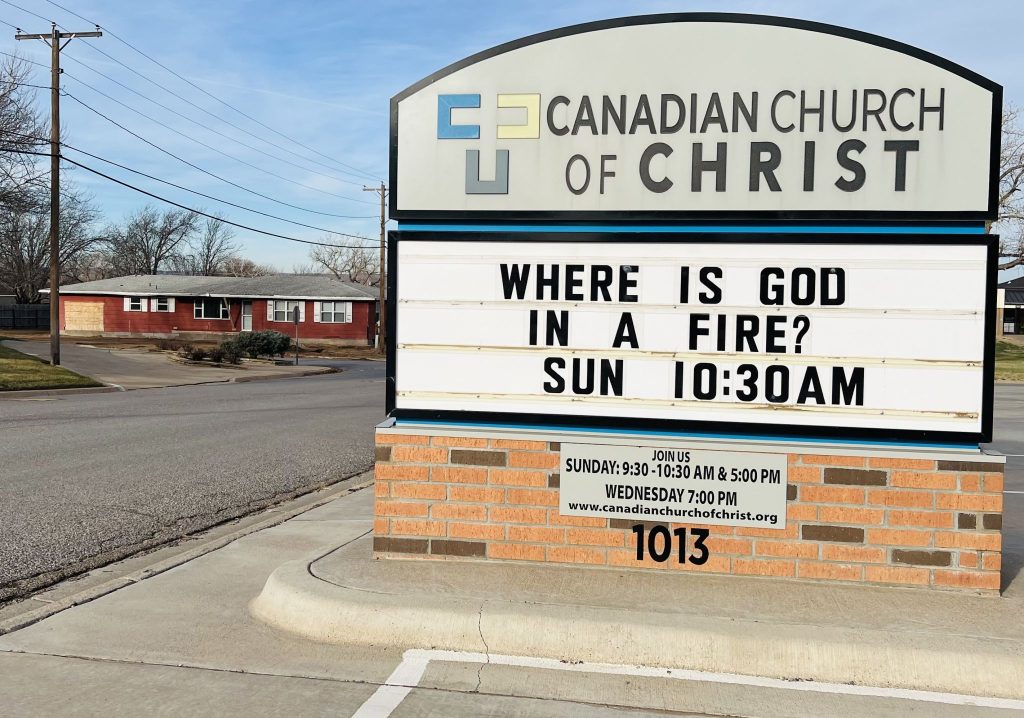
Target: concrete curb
[(91, 594), (295, 601), (312, 372), (59, 392)]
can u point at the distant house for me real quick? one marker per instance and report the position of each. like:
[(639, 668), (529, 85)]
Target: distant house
[(210, 307), (1011, 306)]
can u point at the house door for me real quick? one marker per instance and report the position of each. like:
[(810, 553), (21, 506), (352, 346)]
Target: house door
[(246, 316)]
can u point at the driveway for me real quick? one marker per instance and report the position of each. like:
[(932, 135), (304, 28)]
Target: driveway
[(134, 369)]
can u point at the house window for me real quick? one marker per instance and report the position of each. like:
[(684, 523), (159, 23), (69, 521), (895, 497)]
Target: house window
[(333, 312), (211, 309), (284, 311), (161, 305), (135, 304)]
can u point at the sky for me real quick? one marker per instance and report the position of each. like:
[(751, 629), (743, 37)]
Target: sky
[(319, 74)]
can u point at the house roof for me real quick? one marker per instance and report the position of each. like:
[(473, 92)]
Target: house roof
[(1014, 297), (1017, 283), (281, 286)]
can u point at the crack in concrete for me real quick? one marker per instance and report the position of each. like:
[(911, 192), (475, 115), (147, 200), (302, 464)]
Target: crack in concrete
[(487, 648)]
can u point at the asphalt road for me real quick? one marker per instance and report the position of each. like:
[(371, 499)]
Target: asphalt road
[(86, 479)]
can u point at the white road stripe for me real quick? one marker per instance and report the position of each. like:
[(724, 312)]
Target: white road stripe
[(414, 662)]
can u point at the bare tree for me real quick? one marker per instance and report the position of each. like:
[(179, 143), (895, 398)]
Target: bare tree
[(1010, 222), (25, 245), (352, 264), (22, 131), (236, 266), (207, 251), (149, 240)]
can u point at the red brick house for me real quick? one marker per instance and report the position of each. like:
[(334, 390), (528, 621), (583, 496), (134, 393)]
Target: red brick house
[(211, 307)]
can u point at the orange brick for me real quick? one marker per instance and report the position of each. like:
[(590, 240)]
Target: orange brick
[(932, 519), (791, 531), (517, 477), (968, 559), (801, 512), (465, 512), (411, 527), (532, 460), (487, 532), (715, 564), (458, 475), (883, 463), (536, 534), (859, 554), (851, 515), (719, 544), (901, 537), (381, 488), (418, 490), (970, 502), (832, 495), (380, 526), (518, 515), (479, 494), (967, 579), (419, 455), (968, 539), (386, 472), (533, 497), (834, 460), (890, 574), (519, 444), (970, 482), (402, 439), (830, 571), (993, 483), (804, 475), (991, 561), (913, 480), (786, 549), (586, 521), (575, 554), (515, 551), (400, 508), (905, 499), (461, 442), (753, 567), (627, 559), (596, 537)]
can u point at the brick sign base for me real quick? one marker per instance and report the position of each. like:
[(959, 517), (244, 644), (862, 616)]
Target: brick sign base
[(907, 518)]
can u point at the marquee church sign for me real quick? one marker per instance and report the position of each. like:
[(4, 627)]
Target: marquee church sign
[(665, 138), (699, 115)]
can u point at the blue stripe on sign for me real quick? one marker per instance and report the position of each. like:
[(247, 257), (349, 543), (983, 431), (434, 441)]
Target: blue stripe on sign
[(681, 435), (710, 228)]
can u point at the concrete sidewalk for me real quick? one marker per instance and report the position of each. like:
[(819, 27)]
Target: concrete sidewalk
[(135, 369), (506, 639)]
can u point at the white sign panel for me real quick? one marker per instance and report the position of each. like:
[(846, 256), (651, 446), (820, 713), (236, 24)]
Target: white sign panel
[(818, 334), (698, 115), (673, 485)]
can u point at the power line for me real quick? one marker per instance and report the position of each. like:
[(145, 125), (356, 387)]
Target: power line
[(19, 57), (208, 94), (207, 172), (202, 213), (18, 7), (214, 149), (199, 124)]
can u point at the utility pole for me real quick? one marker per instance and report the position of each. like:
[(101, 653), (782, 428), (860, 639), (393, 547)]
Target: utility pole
[(383, 192), (53, 39)]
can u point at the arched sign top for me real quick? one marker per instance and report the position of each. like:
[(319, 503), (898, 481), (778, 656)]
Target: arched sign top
[(697, 116)]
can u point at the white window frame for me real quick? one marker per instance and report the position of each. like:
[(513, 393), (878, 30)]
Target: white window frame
[(284, 310), (199, 306), (132, 301), (165, 301), (331, 311)]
